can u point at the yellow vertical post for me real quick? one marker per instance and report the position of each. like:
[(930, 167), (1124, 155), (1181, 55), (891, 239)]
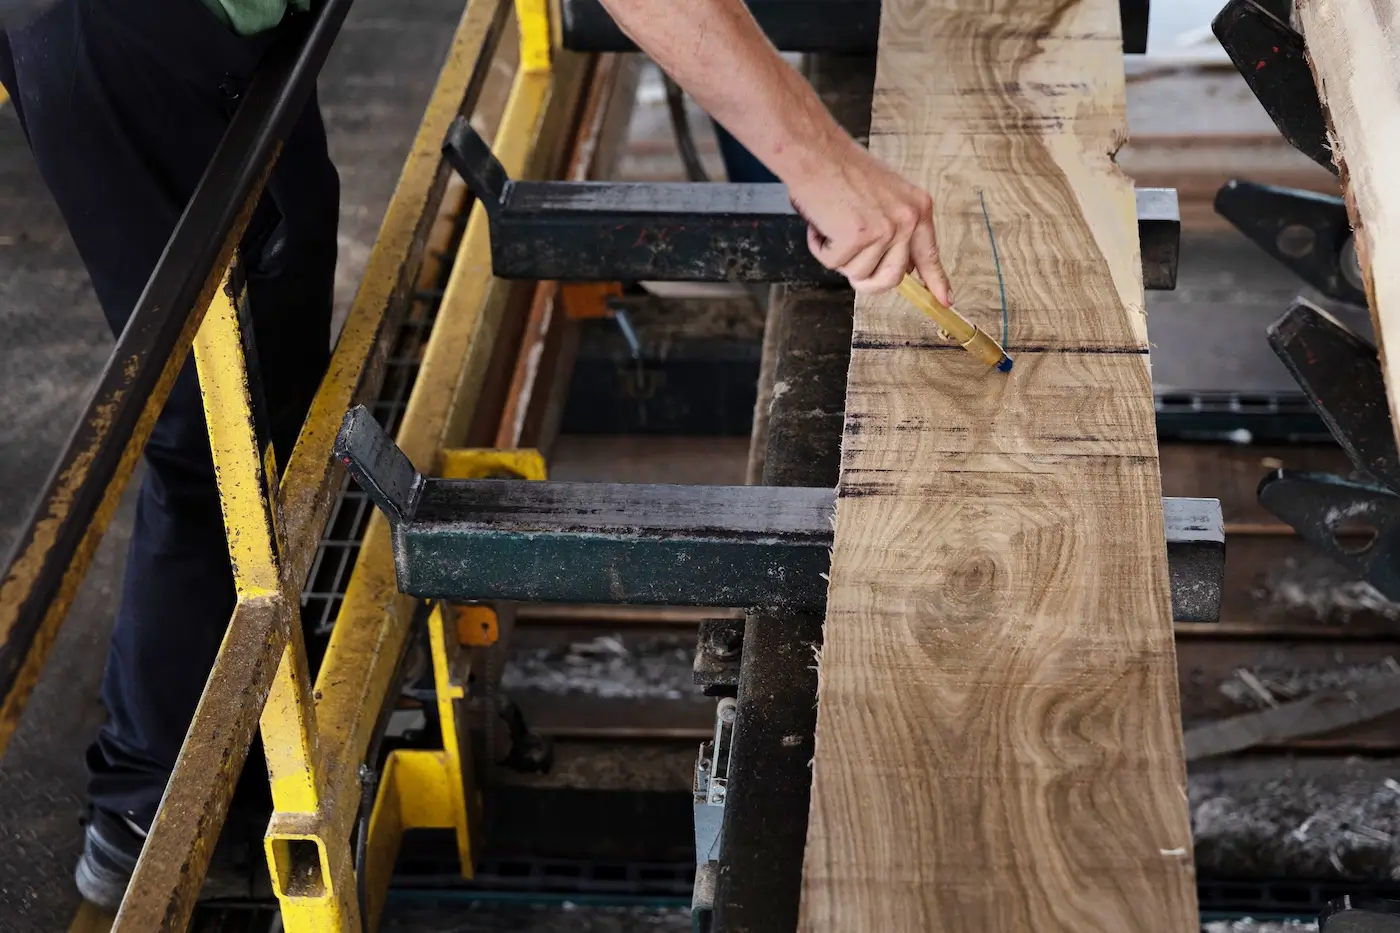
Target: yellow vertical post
[(532, 16), (312, 872), (443, 644)]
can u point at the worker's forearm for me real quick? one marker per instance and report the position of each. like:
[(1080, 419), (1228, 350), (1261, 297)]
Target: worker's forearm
[(715, 50)]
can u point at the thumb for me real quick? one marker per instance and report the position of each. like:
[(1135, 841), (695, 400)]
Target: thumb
[(924, 252)]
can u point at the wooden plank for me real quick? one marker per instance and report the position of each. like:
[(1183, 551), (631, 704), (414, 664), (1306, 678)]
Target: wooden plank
[(1313, 715), (1213, 689), (998, 744), (1354, 49)]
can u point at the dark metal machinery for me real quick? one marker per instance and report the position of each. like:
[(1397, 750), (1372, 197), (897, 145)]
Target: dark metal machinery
[(1360, 915), (611, 231), (637, 544), (1355, 520)]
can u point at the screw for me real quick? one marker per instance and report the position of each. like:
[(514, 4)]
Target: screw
[(1296, 241)]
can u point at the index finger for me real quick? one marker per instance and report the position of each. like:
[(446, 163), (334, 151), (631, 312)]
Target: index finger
[(924, 252)]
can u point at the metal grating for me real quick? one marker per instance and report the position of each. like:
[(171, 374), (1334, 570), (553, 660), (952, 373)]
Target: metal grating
[(236, 917), (1239, 417), (555, 876), (339, 546), (1283, 897)]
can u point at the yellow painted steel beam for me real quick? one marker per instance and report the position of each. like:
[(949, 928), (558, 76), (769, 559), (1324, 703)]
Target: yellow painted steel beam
[(492, 462), (426, 788), (415, 792), (237, 451), (306, 874), (4, 95), (535, 37), (450, 683), (176, 855)]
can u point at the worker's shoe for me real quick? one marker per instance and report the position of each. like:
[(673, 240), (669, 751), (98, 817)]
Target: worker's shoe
[(112, 843)]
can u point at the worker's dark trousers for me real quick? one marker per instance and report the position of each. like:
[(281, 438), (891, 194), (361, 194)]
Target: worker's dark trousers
[(123, 103)]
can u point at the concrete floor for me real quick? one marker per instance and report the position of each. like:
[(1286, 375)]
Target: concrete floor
[(1207, 335)]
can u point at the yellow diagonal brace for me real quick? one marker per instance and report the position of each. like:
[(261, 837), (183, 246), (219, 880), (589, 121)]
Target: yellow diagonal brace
[(233, 439)]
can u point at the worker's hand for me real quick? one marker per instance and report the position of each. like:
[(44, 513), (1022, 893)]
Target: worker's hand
[(868, 223)]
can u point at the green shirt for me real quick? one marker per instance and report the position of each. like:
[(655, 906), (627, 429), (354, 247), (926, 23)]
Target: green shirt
[(250, 17)]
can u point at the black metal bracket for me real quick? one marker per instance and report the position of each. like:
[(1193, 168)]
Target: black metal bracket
[(739, 546), (1309, 233), (1360, 915), (842, 27), (1340, 373), (383, 471), (1355, 522), (1270, 56), (719, 645), (610, 231)]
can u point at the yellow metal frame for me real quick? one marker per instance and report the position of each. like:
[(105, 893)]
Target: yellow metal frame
[(427, 788), (316, 740), (492, 463), (434, 788), (313, 878)]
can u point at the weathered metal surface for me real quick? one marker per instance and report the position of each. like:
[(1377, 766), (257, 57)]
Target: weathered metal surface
[(1340, 374), (1309, 233), (376, 463), (1270, 56), (1159, 235), (598, 542), (661, 231), (1323, 508), (747, 546), (1195, 558), (173, 864)]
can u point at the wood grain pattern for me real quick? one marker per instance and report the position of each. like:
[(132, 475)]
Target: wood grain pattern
[(1353, 47), (998, 744)]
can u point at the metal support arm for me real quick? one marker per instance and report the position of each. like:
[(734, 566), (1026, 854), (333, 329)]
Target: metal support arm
[(745, 546), (611, 231), (1309, 233), (1269, 55)]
